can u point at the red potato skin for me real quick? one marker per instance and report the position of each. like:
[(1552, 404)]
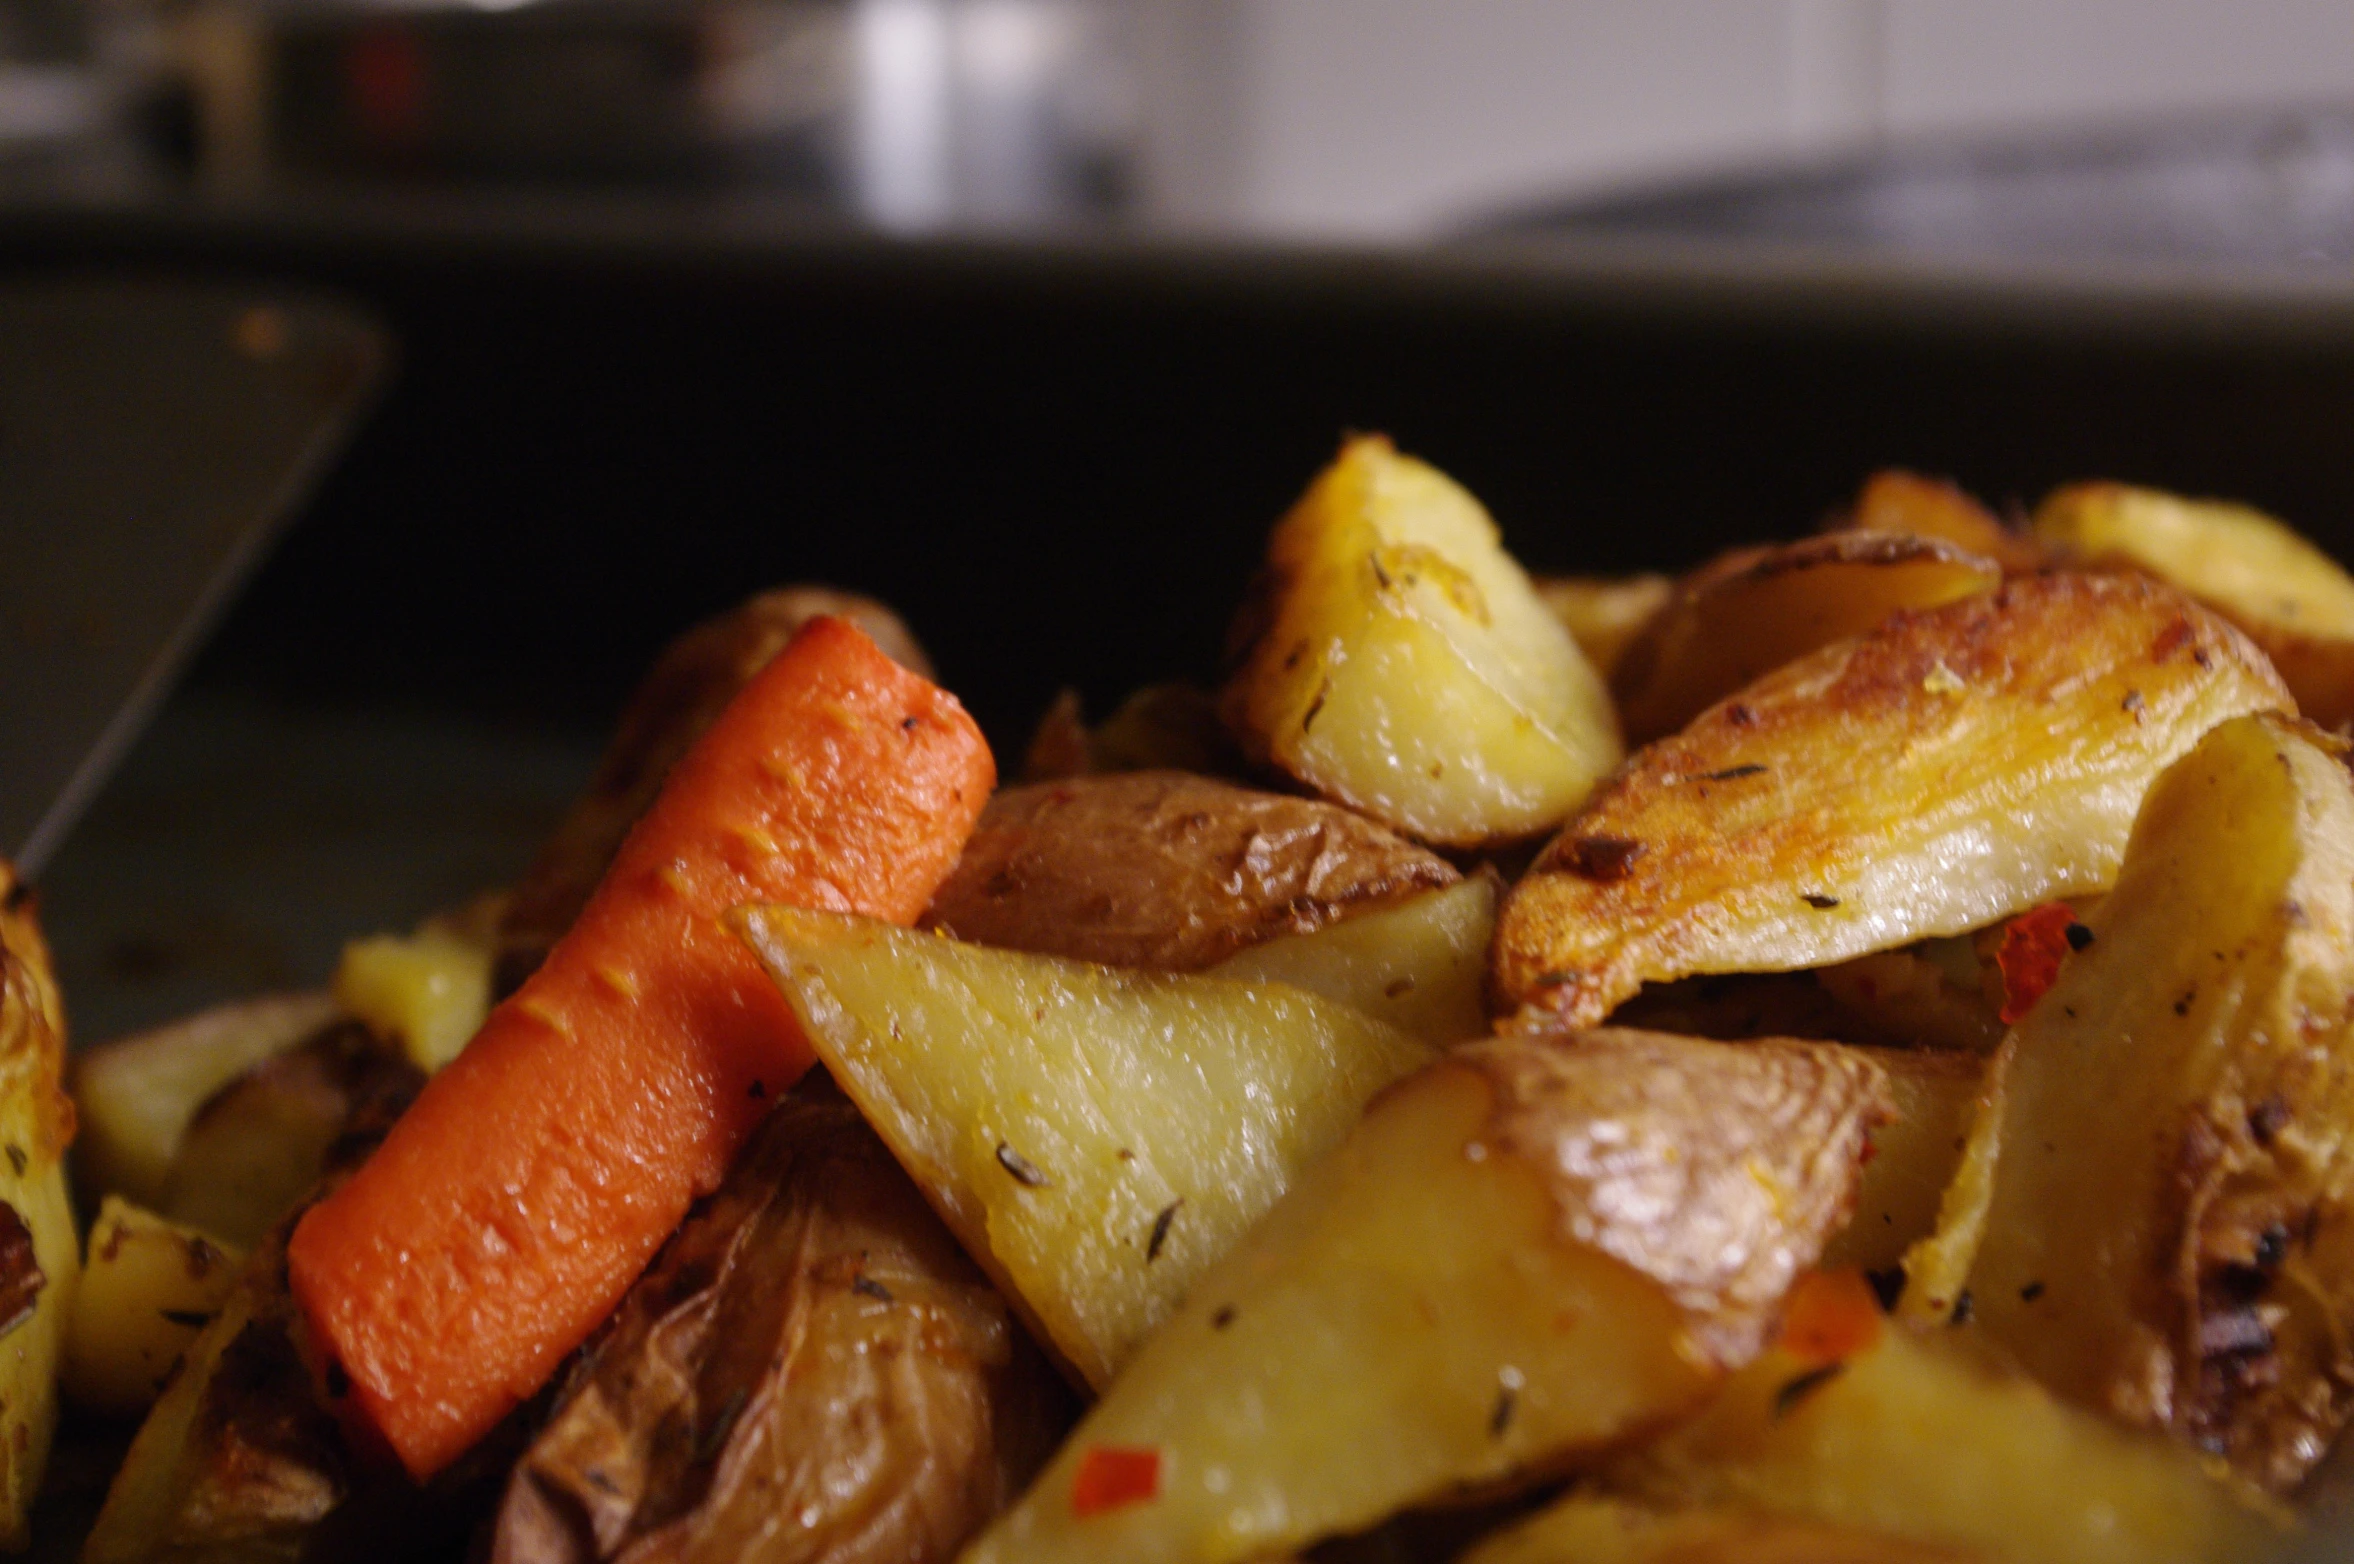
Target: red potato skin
[(511, 1208)]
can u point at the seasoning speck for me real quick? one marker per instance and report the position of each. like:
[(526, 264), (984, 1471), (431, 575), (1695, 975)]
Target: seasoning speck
[(1160, 1231), (1787, 1399), (1734, 773), (1817, 900), (867, 1287), (1963, 1307), (2078, 936), (2031, 1292), (1942, 680), (1222, 1317), (191, 1319), (1602, 859), (1024, 1171)]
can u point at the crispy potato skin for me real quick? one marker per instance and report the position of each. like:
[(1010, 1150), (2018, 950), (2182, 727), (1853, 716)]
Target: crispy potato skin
[(685, 691), (1951, 768), (2169, 1232), (1162, 727), (812, 1371), (1754, 609), (1898, 1199), (1167, 870), (1903, 502), (1531, 1252)]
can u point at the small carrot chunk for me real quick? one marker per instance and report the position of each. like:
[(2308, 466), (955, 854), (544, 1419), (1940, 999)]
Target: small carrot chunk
[(2034, 944), (1110, 1477), (516, 1201), (1830, 1317)]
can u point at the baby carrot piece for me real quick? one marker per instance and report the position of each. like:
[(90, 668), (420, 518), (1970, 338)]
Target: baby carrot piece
[(512, 1206)]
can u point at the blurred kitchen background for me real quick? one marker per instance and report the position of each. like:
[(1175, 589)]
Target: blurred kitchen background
[(1376, 120)]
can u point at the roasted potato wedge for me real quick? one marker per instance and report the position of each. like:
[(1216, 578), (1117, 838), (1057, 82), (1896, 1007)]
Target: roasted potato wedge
[(811, 1371), (1167, 870), (260, 1145), (1903, 502), (1162, 727), (1603, 613), (425, 992), (1421, 966), (1900, 1194), (2292, 599), (40, 1256), (1531, 1251), (136, 1094), (2169, 1231), (1754, 609), (1395, 658), (148, 1285), (684, 692), (1591, 1529), (1095, 1137), (1949, 769), (1915, 1435)]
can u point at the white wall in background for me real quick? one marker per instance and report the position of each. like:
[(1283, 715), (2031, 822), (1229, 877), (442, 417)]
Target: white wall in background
[(1392, 118)]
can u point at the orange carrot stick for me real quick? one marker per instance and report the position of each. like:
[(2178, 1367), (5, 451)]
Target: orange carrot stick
[(515, 1202)]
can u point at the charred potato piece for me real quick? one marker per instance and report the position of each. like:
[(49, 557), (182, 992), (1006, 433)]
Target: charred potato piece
[(2169, 1230), (148, 1286), (1396, 659), (260, 1145), (1165, 870), (2292, 599), (40, 1256), (687, 688), (812, 1371), (238, 1458), (1864, 1423), (1603, 613), (1900, 1195), (1755, 609), (1420, 966), (1095, 1137), (1951, 768), (1527, 1254), (1907, 503), (136, 1094), (1590, 1529)]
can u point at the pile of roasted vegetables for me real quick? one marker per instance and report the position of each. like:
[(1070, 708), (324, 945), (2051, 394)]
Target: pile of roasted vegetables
[(1845, 1055)]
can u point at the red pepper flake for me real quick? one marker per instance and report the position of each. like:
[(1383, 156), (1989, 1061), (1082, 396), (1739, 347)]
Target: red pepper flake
[(1832, 1315), (2034, 944), (1110, 1477)]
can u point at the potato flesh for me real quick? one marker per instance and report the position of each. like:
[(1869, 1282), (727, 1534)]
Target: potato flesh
[(1096, 1138), (1604, 613), (136, 1094), (855, 1387), (1170, 871), (1758, 608), (1588, 1529), (1523, 1255), (426, 992), (2173, 1151), (1405, 665), (1914, 1155), (1949, 769), (1914, 1437), (148, 1286), (42, 1260), (2290, 597), (1421, 966)]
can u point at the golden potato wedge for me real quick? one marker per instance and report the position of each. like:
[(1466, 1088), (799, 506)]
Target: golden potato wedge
[(1914, 1155), (684, 692), (148, 1285), (1754, 609), (1904, 502), (1167, 870), (1951, 768), (238, 1458), (1591, 1529), (1917, 1436), (850, 1387), (1421, 966), (2168, 1227), (425, 992), (1095, 1137), (2292, 599), (1162, 727), (1531, 1251), (136, 1094), (1603, 613), (262, 1142), (1395, 658), (40, 1256)]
